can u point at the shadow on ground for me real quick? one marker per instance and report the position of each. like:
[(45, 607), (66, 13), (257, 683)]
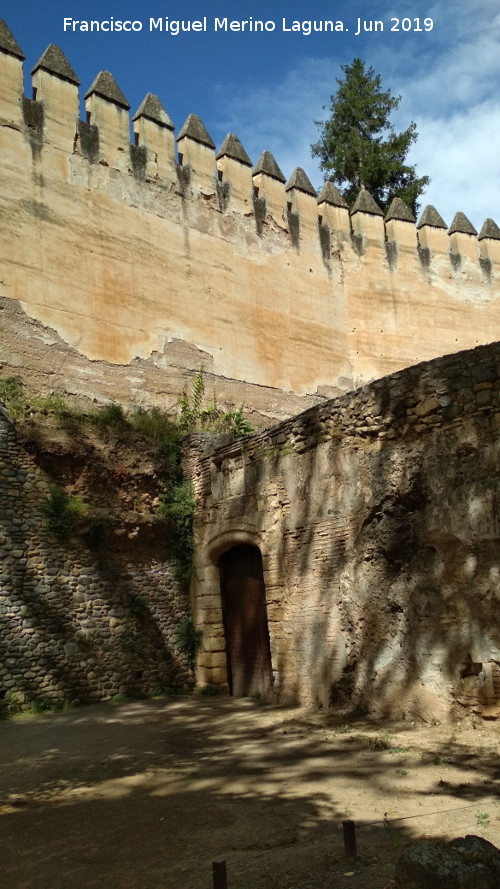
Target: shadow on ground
[(146, 795)]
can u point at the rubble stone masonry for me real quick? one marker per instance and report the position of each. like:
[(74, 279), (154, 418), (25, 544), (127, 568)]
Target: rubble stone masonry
[(77, 622), (377, 516), (125, 266)]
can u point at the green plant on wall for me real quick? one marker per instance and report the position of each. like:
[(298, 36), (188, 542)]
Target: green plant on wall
[(188, 640), (190, 405), (155, 425), (240, 426), (176, 503), (138, 606), (109, 416), (59, 511), (11, 393), (193, 417)]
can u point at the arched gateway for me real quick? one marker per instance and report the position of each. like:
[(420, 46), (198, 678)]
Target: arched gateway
[(245, 621)]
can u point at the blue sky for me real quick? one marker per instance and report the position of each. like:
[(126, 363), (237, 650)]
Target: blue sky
[(269, 88)]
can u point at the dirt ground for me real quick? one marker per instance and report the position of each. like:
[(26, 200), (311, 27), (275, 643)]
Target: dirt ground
[(146, 795)]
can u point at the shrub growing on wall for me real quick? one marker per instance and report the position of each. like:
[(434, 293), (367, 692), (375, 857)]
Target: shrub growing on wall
[(59, 511), (188, 640)]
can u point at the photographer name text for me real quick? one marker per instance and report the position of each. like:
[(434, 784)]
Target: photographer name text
[(176, 27)]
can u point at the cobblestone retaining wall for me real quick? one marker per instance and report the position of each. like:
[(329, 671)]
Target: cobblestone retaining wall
[(77, 623)]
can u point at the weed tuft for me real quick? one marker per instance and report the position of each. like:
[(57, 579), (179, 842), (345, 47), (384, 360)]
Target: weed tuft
[(51, 404), (208, 691), (138, 606), (12, 704), (47, 704), (343, 729), (482, 819), (380, 742), (154, 425), (109, 416)]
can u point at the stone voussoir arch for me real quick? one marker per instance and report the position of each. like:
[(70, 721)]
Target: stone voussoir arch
[(225, 540)]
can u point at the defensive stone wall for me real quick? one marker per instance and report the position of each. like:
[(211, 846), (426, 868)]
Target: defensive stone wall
[(164, 252), (126, 265), (376, 515), (77, 623)]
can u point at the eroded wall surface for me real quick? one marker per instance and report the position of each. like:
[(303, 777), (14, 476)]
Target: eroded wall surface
[(79, 621), (131, 254), (377, 516)]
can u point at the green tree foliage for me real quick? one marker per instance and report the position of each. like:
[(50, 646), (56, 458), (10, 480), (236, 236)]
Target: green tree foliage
[(359, 146)]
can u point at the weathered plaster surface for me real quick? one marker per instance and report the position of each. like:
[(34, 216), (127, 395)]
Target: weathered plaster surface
[(129, 256), (377, 518)]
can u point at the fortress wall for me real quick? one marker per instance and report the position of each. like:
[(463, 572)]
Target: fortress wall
[(121, 266), (125, 252), (377, 518), (47, 365), (407, 302)]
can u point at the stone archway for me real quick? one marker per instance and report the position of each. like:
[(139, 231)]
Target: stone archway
[(244, 614)]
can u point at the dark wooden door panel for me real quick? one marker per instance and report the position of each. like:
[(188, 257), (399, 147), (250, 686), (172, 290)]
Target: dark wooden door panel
[(245, 622)]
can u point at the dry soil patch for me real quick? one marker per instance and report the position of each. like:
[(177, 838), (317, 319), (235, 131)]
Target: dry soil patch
[(146, 795)]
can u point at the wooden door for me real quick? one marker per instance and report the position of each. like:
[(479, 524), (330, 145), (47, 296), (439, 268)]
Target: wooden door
[(245, 622)]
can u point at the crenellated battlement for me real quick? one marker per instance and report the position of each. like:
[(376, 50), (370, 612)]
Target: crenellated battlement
[(53, 113), (135, 244)]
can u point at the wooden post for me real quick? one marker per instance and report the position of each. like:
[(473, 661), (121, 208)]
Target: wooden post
[(349, 839), (219, 874)]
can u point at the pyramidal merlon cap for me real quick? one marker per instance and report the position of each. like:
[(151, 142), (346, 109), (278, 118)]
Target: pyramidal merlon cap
[(299, 180), (365, 203), (8, 43), (430, 216), (106, 87), (266, 164), (330, 194), (461, 224), (194, 129), (232, 147), (489, 229), (400, 211), (55, 62), (152, 108)]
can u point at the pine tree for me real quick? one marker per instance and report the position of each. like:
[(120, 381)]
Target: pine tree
[(359, 146)]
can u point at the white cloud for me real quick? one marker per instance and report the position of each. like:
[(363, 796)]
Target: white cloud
[(460, 154), (450, 90), (462, 75), (455, 104)]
